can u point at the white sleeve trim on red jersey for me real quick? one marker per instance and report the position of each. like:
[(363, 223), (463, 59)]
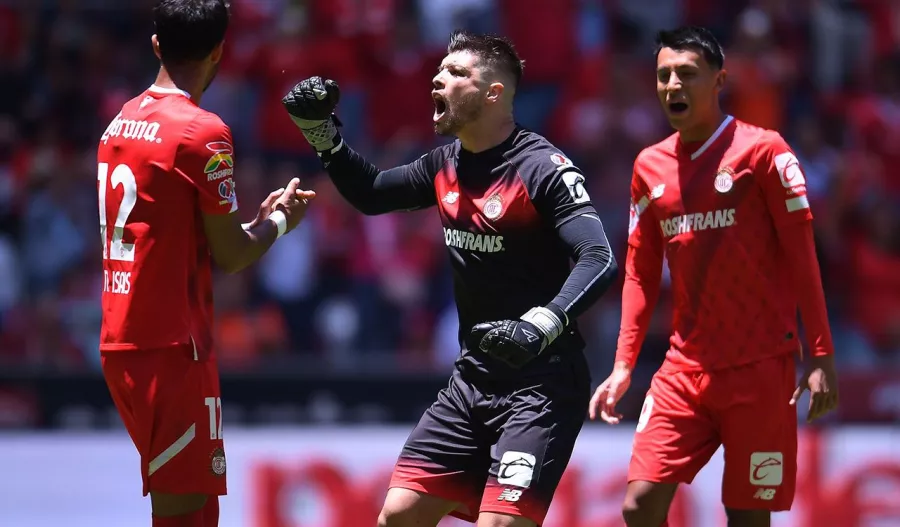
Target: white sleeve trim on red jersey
[(712, 139)]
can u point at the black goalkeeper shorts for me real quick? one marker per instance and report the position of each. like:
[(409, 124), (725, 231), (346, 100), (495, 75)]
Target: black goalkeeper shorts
[(498, 446)]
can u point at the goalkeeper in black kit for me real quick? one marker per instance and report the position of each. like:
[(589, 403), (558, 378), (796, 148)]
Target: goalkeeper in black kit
[(494, 445)]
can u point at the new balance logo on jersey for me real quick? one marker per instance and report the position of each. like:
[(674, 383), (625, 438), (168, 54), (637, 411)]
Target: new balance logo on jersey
[(510, 495), (699, 221), (128, 129), (469, 241)]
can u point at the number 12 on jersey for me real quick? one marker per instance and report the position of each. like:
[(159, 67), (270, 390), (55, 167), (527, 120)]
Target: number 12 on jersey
[(121, 175)]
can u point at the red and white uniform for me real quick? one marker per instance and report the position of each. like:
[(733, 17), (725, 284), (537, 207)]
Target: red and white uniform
[(731, 218), (162, 163)]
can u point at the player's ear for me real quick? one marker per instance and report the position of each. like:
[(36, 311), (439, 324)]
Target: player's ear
[(155, 42), (495, 91), (720, 80), (217, 52)]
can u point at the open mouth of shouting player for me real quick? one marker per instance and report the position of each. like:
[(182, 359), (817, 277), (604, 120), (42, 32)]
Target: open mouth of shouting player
[(457, 95)]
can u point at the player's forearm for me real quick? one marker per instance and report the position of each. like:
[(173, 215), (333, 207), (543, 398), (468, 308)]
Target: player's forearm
[(798, 244), (595, 266), (248, 248), (643, 276), (368, 189)]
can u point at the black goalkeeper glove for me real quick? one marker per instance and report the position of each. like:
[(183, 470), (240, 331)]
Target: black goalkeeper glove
[(311, 105), (517, 342)]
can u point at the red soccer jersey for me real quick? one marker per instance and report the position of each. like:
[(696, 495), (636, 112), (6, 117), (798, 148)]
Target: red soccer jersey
[(714, 213), (161, 163)]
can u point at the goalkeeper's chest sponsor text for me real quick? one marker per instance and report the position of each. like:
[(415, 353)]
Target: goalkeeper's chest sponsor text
[(699, 221), (469, 241)]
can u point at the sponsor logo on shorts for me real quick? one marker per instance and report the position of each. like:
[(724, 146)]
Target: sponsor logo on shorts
[(764, 494), (510, 495), (766, 469), (516, 469), (217, 462)]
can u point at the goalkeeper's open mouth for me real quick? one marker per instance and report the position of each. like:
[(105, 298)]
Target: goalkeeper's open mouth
[(440, 106)]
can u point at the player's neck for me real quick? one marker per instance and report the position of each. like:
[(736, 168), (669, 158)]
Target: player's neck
[(486, 135), (703, 131), (189, 82)]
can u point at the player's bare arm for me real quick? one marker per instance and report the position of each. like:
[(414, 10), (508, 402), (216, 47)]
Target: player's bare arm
[(235, 246), (311, 105), (643, 277)]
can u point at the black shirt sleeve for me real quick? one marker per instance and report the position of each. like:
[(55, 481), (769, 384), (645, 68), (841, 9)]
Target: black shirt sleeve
[(373, 191), (595, 266), (560, 197)]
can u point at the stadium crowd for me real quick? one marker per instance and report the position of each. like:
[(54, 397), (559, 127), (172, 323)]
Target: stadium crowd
[(346, 288)]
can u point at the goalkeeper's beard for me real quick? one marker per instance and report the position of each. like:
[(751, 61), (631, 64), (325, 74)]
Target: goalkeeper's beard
[(459, 114)]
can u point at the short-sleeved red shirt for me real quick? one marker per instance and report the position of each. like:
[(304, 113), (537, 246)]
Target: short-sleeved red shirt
[(162, 163)]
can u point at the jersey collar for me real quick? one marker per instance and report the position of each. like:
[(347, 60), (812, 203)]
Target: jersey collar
[(712, 139), (168, 91)]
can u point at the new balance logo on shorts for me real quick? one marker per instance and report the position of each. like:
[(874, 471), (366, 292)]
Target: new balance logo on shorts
[(516, 469), (510, 495), (764, 494), (766, 469)]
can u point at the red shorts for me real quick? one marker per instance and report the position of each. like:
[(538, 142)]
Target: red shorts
[(171, 406), (688, 415)]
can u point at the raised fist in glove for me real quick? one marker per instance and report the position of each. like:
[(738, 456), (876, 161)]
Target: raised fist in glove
[(517, 342), (311, 105)]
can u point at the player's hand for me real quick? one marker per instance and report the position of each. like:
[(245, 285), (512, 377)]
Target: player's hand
[(265, 208), (820, 379), (517, 342), (603, 403), (293, 202), (311, 105)]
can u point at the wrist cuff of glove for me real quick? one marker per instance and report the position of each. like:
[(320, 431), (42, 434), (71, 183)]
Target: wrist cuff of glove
[(322, 135), (549, 320)]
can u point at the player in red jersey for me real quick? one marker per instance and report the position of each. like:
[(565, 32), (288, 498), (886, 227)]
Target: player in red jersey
[(167, 206), (725, 204)]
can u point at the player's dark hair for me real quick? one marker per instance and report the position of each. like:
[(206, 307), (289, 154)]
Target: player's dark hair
[(189, 30), (495, 51), (694, 38)]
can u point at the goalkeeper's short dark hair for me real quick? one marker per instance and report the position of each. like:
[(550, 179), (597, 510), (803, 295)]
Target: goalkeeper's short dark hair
[(495, 51), (694, 38), (189, 30)]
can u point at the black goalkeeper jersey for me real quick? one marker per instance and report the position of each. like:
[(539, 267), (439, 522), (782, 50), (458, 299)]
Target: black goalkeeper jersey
[(502, 212)]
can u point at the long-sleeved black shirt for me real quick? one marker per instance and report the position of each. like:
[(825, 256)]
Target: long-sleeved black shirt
[(514, 218)]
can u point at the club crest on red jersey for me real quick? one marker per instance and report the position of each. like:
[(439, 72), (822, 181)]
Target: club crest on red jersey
[(724, 180), (493, 207)]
